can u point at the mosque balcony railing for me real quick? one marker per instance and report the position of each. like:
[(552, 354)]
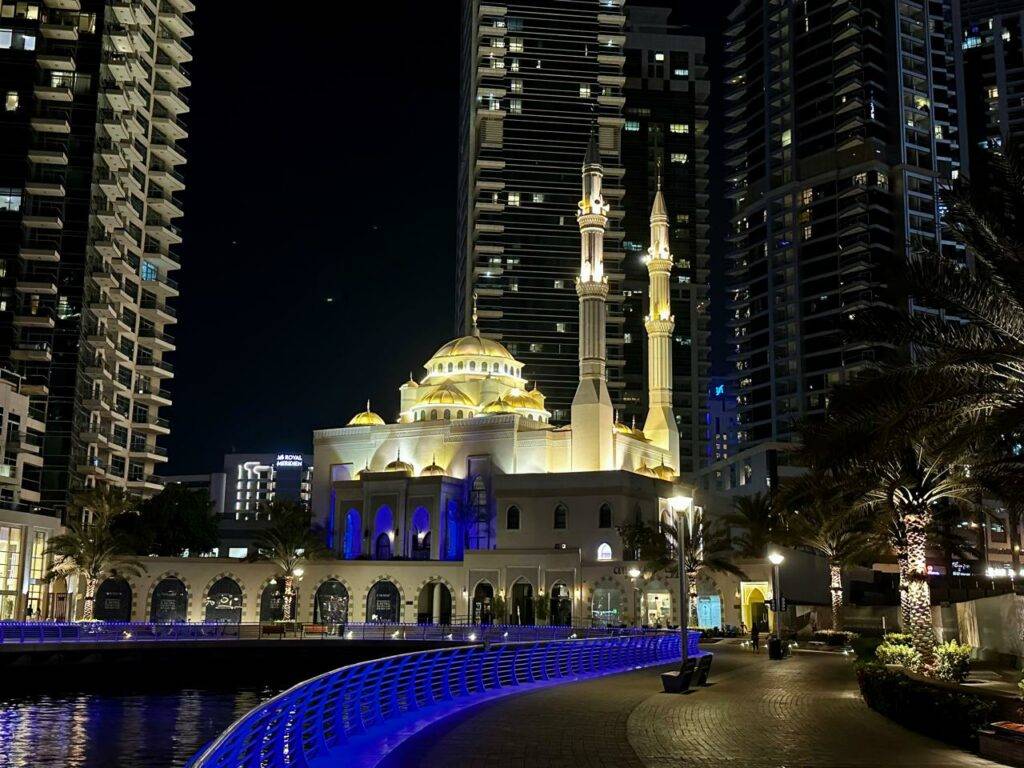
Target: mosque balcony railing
[(356, 714)]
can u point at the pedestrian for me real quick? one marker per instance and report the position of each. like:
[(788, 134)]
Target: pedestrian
[(755, 638)]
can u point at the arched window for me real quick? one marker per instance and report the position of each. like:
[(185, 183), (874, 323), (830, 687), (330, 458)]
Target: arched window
[(330, 603), (113, 600), (480, 534), (604, 517), (604, 551), (383, 549), (447, 414), (383, 603), (433, 414), (461, 365), (439, 367), (224, 601), (450, 367), (170, 601), (472, 365), (420, 545), (458, 414), (353, 534), (483, 366), (561, 517), (512, 518)]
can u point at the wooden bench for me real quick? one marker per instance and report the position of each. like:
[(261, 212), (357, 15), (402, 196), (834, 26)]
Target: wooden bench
[(679, 682), (314, 630)]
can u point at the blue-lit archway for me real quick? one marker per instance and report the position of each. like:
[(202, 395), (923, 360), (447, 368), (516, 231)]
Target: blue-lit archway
[(353, 534)]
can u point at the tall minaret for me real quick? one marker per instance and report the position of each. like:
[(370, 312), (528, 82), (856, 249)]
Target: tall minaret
[(660, 427), (592, 417)]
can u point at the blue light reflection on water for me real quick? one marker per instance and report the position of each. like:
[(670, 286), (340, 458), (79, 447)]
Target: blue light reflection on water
[(105, 730)]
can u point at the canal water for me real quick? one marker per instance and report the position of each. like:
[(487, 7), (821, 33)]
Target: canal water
[(113, 730)]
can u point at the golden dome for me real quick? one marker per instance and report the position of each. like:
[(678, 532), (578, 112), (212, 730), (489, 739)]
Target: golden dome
[(398, 465), (446, 393), (644, 470), (432, 470), (664, 472), (518, 398), (501, 405), (365, 419), (411, 383), (474, 346)]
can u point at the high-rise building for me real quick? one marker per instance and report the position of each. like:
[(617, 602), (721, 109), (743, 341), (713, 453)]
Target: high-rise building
[(841, 124), (993, 93), (536, 75), (664, 141), (90, 131)]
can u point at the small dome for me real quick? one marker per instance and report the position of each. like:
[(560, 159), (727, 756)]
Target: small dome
[(432, 470), (474, 346), (501, 405), (664, 472), (446, 393), (365, 419), (398, 465), (411, 383), (518, 398), (644, 470)]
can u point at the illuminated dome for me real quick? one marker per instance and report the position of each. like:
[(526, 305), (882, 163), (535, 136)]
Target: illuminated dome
[(365, 419), (518, 398), (646, 471), (432, 470), (665, 472), (446, 393), (474, 346), (398, 465), (501, 405), (625, 429)]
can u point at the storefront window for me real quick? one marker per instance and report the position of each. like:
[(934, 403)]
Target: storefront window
[(11, 547)]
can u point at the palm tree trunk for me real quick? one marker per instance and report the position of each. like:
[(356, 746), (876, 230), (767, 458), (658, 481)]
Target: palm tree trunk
[(835, 573), (901, 561), (289, 597), (918, 596), (90, 599), (691, 588)]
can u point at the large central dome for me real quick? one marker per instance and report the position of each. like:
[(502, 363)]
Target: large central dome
[(474, 346)]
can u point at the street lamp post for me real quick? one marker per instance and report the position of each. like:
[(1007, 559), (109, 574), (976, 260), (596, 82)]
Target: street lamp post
[(681, 506), (634, 574), (776, 559)]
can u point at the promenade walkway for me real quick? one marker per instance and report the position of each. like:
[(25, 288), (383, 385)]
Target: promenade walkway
[(804, 712)]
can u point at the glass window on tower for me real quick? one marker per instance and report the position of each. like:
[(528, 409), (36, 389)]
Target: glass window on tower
[(10, 199), (148, 271)]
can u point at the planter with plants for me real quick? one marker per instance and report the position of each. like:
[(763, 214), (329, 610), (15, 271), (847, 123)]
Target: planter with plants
[(833, 637)]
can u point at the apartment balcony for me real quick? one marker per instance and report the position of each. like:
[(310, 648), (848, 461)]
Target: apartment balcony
[(173, 74), (34, 321), (145, 483), (47, 93), (163, 286), (115, 96), (68, 32), (116, 128), (105, 277), (155, 425), (154, 453), (156, 339), (165, 206), (167, 178), (56, 61), (24, 442), (120, 39), (32, 351), (176, 49), (174, 19), (168, 234), (9, 475), (183, 6), (119, 66), (50, 222), (35, 390), (150, 396), (44, 189), (40, 287), (102, 309), (166, 151), (124, 11), (111, 155), (95, 434), (93, 468), (158, 368)]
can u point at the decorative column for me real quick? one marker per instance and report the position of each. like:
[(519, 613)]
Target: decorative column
[(592, 417), (660, 427)]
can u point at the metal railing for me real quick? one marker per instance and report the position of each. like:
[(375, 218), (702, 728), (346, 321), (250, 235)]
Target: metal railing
[(108, 631), (356, 712)]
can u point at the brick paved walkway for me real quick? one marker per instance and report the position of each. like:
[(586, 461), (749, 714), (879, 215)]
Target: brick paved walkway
[(801, 713)]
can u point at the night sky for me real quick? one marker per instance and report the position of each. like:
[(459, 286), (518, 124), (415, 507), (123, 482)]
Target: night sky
[(318, 266)]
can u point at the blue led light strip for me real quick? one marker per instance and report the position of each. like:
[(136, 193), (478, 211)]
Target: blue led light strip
[(355, 715)]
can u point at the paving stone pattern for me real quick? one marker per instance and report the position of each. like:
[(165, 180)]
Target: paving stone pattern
[(804, 712)]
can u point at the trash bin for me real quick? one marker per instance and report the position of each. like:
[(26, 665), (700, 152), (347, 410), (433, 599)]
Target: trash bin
[(775, 648)]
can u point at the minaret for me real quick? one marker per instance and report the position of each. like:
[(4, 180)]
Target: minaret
[(660, 427), (592, 417)]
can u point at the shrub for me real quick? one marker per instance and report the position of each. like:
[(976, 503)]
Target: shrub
[(834, 637), (899, 638), (904, 655), (947, 715), (953, 661)]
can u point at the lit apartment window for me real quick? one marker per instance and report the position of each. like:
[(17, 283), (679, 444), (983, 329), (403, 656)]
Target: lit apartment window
[(807, 196), (787, 137), (682, 72), (11, 101), (10, 199), (632, 126), (515, 106), (513, 198), (515, 44), (16, 40), (535, 347), (517, 86), (538, 197), (514, 65), (682, 218), (584, 91), (559, 284), (627, 338), (679, 128), (860, 180), (679, 157), (993, 90), (659, 56), (560, 327)]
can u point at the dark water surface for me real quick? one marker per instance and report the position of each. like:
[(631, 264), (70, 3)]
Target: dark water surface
[(113, 730)]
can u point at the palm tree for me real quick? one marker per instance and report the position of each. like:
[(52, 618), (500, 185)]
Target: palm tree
[(90, 547), (289, 541), (706, 547), (756, 516)]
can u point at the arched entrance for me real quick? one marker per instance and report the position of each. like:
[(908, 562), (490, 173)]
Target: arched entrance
[(330, 604), (382, 548), (272, 602), (170, 601), (560, 614), (419, 546), (657, 609), (483, 604), (521, 607), (755, 611), (353, 534), (383, 603), (606, 607), (113, 601), (224, 601), (435, 604)]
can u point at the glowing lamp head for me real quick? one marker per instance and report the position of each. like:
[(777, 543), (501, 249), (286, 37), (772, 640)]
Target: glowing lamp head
[(634, 573), (775, 558)]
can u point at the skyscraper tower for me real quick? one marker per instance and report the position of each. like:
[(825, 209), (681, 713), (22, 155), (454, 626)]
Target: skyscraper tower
[(660, 426), (842, 123), (90, 130), (592, 413), (535, 76)]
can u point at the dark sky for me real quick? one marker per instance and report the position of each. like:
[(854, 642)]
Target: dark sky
[(319, 255), (322, 165)]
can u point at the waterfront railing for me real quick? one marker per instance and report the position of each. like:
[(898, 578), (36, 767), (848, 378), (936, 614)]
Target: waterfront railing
[(362, 711), (114, 631)]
